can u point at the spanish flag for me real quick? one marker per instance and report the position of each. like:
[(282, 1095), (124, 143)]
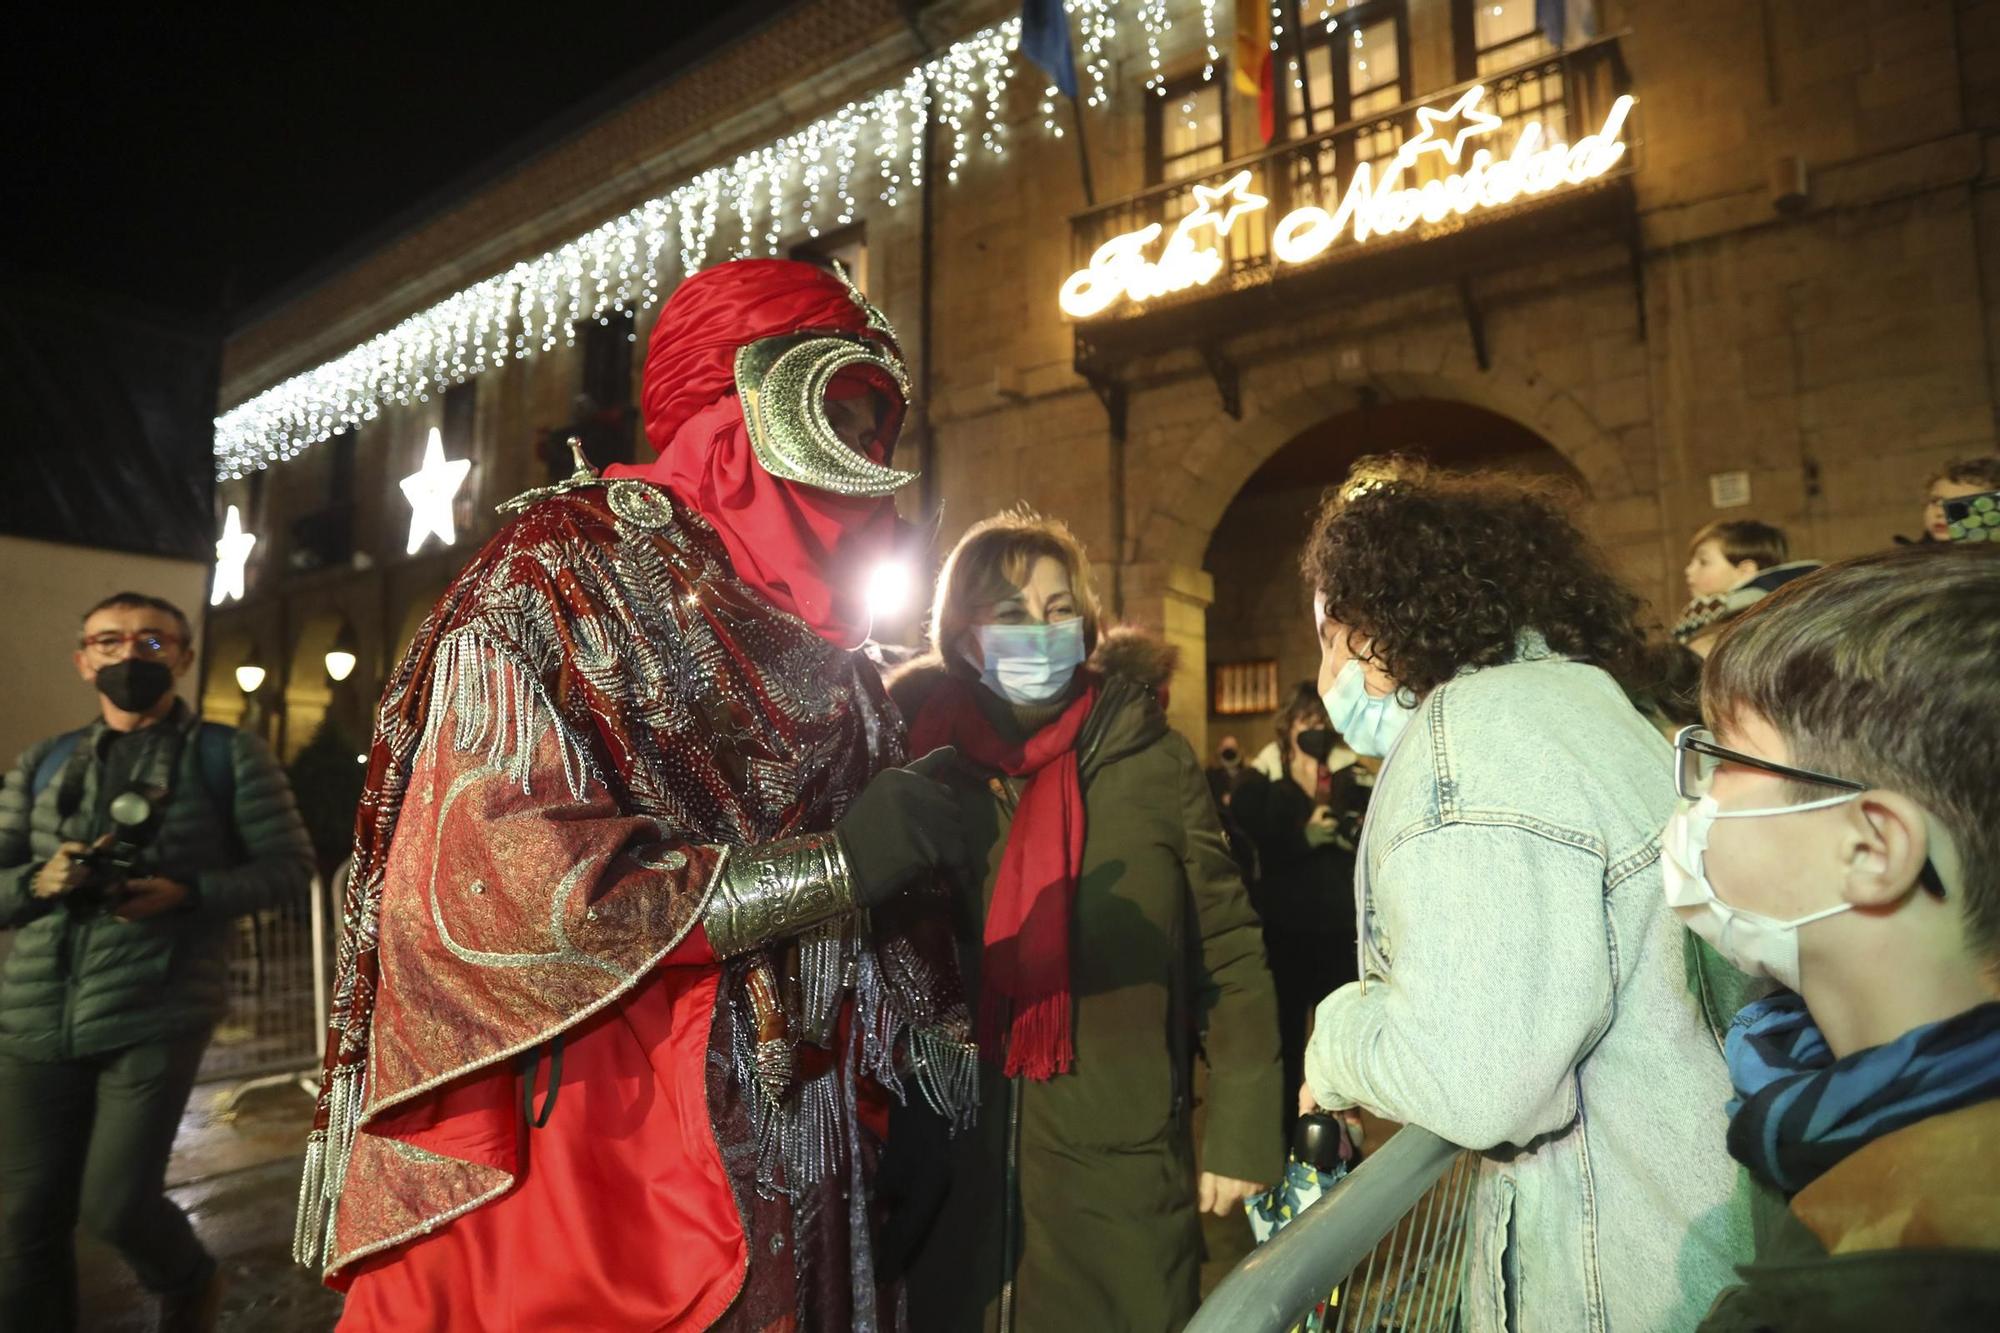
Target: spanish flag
[(1251, 69)]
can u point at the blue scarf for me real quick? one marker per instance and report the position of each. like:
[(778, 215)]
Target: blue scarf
[(1798, 1111)]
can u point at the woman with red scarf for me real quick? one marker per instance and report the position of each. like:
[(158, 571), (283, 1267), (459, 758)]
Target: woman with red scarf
[(1111, 939)]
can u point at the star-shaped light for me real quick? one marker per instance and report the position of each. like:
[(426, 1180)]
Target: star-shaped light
[(1234, 194), (232, 552), (431, 490), (1471, 122)]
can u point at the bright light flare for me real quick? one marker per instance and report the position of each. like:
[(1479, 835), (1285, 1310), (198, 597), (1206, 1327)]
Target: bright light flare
[(890, 589), (249, 679), (339, 665)]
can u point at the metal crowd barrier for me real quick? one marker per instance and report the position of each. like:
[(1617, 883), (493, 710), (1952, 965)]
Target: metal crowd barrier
[(1383, 1250), (280, 966)]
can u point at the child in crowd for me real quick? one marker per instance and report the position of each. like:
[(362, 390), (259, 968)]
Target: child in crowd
[(1839, 833), (1955, 481), (1730, 565)]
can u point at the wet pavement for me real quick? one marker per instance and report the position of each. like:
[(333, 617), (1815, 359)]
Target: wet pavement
[(236, 1172)]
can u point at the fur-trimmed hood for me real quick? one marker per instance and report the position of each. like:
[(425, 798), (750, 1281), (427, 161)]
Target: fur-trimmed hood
[(1137, 654)]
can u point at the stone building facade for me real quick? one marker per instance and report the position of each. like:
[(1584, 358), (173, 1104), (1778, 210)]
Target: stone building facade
[(1778, 304)]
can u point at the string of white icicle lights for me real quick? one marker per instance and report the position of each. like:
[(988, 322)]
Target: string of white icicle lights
[(809, 181), (1097, 20), (872, 145), (1153, 21)]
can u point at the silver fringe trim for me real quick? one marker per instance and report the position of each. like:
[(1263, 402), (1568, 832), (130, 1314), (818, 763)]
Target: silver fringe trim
[(308, 1237), (824, 954), (947, 1071), (327, 1154), (800, 1139), (877, 1023), (860, 1250), (496, 703)]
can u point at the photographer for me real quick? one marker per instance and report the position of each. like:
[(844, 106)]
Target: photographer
[(126, 849)]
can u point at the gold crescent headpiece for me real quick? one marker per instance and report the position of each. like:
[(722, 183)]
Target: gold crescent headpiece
[(782, 385)]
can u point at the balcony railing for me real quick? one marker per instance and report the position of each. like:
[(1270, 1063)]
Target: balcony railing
[(1401, 166)]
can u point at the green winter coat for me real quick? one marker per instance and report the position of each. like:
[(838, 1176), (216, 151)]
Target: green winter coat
[(1071, 1203), (78, 981)]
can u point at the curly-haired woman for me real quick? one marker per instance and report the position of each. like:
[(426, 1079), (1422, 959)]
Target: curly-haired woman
[(1523, 986)]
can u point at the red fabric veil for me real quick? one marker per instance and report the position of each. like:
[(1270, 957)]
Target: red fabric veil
[(804, 549)]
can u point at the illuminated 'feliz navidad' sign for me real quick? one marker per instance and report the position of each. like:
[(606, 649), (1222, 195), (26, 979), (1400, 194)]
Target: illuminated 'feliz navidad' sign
[(1369, 206)]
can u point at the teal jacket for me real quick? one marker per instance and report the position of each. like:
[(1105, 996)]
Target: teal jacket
[(78, 981)]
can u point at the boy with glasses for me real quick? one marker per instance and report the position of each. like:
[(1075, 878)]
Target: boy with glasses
[(127, 847), (1838, 832)]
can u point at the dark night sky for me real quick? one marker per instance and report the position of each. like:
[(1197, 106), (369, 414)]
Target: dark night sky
[(171, 153)]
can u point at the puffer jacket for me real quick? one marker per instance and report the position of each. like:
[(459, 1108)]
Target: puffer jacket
[(78, 981)]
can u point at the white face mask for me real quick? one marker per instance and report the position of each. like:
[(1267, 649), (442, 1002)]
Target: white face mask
[(1758, 945), (1368, 724), (1029, 664)]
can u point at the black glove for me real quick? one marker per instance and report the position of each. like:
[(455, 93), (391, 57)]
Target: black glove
[(904, 827)]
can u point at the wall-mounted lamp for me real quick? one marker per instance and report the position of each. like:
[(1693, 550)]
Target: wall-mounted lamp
[(250, 676), (340, 658)]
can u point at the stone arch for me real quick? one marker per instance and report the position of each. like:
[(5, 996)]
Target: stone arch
[(1218, 460)]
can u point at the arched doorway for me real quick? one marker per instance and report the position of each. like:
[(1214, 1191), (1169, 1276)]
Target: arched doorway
[(1259, 627)]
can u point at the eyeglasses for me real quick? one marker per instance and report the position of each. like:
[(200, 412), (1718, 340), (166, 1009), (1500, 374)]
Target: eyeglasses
[(145, 643), (1697, 757)]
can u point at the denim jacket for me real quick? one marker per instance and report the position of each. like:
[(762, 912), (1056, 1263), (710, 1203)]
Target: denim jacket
[(1524, 995)]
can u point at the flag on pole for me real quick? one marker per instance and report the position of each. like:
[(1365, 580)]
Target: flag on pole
[(1566, 23), (1251, 69), (1045, 40)]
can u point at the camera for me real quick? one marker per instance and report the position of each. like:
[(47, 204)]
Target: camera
[(135, 819)]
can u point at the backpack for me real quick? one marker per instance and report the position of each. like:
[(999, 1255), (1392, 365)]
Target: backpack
[(215, 762)]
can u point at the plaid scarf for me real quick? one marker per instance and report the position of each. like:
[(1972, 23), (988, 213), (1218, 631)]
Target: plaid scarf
[(1798, 1111)]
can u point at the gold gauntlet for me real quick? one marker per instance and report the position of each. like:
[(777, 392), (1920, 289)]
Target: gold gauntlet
[(777, 890)]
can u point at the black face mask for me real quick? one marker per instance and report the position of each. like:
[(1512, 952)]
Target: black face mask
[(135, 684), (1317, 742)]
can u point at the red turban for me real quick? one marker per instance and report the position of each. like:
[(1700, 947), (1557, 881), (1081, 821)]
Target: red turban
[(783, 538)]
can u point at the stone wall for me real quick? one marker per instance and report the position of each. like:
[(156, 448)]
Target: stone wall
[(1835, 352)]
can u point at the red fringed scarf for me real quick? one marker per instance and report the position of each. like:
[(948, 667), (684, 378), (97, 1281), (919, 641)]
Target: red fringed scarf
[(1024, 995)]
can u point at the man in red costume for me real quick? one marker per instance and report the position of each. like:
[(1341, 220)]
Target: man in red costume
[(631, 950)]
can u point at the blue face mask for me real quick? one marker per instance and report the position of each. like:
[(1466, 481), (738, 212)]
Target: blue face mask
[(1369, 725), (1029, 664)]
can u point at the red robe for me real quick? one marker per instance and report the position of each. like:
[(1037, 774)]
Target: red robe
[(596, 711)]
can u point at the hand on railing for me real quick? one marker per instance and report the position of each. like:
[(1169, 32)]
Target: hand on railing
[(1349, 1116)]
